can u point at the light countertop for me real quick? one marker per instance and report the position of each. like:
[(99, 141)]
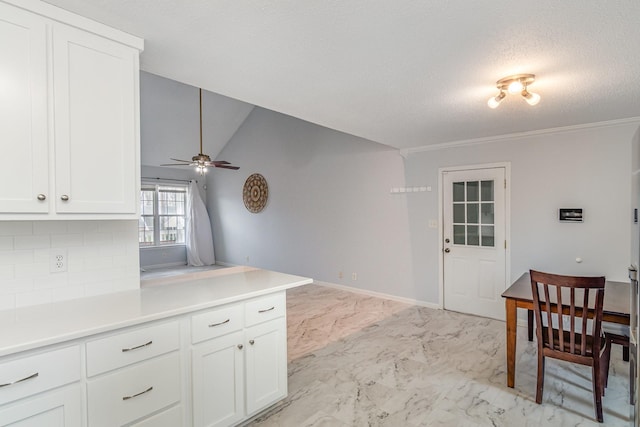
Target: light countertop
[(36, 326)]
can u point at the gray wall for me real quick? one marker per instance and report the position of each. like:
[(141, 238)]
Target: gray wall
[(330, 207), (169, 128)]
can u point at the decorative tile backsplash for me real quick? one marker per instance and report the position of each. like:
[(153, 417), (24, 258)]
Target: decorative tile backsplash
[(101, 257)]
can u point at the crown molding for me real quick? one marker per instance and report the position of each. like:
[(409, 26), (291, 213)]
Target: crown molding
[(518, 135)]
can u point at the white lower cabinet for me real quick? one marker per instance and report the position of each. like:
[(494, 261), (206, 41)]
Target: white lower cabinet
[(218, 381), (58, 408), (134, 392), (266, 364), (214, 367), (238, 374), (42, 389)]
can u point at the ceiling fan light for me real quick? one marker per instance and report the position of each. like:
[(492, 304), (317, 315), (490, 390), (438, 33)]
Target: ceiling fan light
[(496, 100), (532, 98)]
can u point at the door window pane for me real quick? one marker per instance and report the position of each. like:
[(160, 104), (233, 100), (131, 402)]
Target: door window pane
[(458, 213), (487, 191), (458, 191), (473, 191), (472, 213), (473, 238), (487, 213), (458, 235), (487, 235)]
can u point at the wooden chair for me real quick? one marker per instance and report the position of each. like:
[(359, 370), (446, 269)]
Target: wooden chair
[(567, 299)]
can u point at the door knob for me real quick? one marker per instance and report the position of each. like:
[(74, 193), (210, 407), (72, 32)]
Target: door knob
[(64, 197), (447, 240), (41, 197), (447, 250), (240, 346)]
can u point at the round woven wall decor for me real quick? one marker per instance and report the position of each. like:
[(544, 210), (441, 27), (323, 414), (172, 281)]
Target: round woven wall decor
[(255, 193)]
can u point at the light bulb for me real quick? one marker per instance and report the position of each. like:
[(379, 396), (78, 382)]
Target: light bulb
[(495, 101), (515, 87), (531, 97)]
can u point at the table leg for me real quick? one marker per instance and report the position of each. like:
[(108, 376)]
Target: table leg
[(512, 325), (530, 324)]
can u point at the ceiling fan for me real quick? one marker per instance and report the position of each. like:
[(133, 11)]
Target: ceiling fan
[(202, 161)]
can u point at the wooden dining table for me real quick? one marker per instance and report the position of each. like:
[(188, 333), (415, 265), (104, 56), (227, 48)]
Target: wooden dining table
[(518, 295)]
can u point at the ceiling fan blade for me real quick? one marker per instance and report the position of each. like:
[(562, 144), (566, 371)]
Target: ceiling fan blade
[(220, 162), (176, 164), (227, 167), (180, 160)]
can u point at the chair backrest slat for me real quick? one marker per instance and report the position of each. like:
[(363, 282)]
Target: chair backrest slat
[(585, 313), (559, 317), (572, 321)]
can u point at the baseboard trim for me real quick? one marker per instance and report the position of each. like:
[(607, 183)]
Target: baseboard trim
[(379, 295)]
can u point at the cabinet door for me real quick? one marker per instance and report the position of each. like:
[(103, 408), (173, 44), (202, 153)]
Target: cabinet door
[(60, 408), (266, 360), (96, 143), (23, 112), (218, 381)]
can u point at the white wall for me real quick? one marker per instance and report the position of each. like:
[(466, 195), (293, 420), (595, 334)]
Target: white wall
[(330, 208), (102, 257)]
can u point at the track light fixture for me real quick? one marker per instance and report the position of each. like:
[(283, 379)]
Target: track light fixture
[(515, 84)]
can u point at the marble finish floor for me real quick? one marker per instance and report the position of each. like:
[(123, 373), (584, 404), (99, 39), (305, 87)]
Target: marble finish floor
[(356, 360)]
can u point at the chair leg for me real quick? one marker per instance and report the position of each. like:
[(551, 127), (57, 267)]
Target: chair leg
[(540, 382), (605, 359), (598, 388)]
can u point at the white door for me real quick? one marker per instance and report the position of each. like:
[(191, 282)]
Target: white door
[(24, 166), (474, 241), (95, 126)]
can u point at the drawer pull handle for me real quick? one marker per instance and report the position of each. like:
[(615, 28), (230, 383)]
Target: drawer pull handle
[(268, 309), (124, 350), (138, 394), (20, 380), (218, 324)]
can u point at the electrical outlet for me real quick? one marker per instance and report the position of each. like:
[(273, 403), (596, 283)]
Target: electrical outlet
[(354, 276), (58, 261)]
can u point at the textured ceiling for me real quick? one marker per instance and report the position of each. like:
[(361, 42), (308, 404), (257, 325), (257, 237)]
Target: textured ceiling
[(405, 73)]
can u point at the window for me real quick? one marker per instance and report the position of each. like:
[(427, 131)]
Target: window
[(163, 215), (473, 213)]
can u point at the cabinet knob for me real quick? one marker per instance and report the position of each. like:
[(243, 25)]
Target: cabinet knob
[(41, 197), (64, 197), (240, 346), (251, 342)]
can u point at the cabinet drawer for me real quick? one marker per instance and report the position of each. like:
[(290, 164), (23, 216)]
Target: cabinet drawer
[(132, 346), (265, 308), (169, 418), (216, 322), (134, 392), (33, 374)]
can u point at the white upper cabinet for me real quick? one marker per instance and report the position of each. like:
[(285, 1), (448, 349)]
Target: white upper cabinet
[(95, 129), (69, 117), (24, 150)]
